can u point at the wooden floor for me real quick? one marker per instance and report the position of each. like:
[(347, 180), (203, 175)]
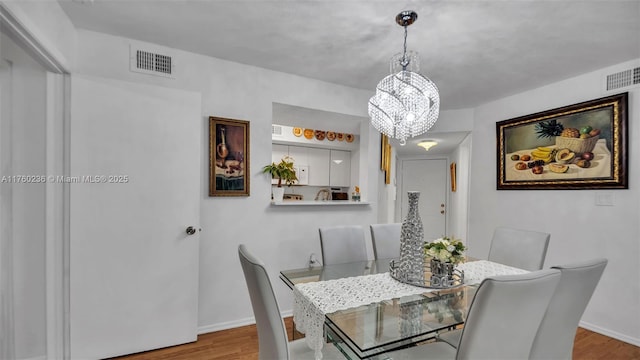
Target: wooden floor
[(242, 344)]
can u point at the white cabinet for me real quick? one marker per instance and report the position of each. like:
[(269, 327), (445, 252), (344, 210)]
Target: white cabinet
[(300, 163), (340, 168), (316, 166), (278, 152), (313, 161), (299, 157), (318, 161)]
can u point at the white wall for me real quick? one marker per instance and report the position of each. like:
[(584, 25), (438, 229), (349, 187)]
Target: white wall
[(579, 229), (454, 120), (28, 103), (459, 200), (283, 236)]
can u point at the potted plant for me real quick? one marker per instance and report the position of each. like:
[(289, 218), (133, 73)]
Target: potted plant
[(284, 172)]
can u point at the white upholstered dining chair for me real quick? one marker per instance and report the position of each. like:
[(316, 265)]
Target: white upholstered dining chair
[(385, 239), (502, 322), (523, 249), (342, 244), (557, 331), (272, 336)]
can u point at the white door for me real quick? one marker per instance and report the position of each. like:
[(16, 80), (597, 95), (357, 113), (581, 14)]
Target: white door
[(136, 151), (429, 177)]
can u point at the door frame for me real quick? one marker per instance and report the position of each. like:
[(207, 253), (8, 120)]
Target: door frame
[(56, 194), (7, 348)]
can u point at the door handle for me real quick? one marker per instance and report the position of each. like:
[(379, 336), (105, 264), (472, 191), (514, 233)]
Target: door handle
[(441, 211), (191, 230)]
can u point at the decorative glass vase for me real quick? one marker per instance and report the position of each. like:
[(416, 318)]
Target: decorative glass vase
[(411, 318), (411, 264)]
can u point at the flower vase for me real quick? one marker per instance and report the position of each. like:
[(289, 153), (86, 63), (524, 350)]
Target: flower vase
[(411, 264), (441, 273)]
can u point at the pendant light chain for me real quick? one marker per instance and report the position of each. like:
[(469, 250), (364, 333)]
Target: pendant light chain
[(405, 62)]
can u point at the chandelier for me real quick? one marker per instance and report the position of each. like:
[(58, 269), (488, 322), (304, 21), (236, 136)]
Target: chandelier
[(406, 104)]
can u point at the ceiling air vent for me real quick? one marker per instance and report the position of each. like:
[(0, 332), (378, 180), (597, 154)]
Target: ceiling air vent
[(276, 130), (148, 61), (623, 79)]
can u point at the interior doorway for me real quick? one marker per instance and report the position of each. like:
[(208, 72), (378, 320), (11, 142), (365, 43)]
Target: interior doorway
[(31, 214), (23, 200), (429, 177), (7, 350)]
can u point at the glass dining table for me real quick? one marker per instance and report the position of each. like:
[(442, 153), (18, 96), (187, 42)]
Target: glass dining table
[(369, 331)]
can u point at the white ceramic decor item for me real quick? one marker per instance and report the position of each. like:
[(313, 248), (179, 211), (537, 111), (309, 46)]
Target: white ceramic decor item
[(278, 194)]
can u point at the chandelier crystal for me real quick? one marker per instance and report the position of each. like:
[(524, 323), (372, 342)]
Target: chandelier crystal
[(406, 104)]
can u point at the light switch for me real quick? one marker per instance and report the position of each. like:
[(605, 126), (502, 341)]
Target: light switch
[(604, 199)]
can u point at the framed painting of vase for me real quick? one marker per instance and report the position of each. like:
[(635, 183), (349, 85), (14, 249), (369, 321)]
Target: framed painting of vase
[(228, 157)]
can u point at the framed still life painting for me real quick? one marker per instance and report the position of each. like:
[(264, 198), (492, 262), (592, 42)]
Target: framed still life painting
[(228, 157), (580, 146)]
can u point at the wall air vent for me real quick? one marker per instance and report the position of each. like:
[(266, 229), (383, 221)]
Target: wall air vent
[(623, 79), (148, 61), (276, 130)]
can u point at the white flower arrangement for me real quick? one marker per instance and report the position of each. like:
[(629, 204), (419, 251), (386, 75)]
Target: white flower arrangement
[(446, 249)]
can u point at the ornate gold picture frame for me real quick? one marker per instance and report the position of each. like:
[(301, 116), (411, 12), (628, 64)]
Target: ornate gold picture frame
[(452, 169), (385, 158), (580, 146), (228, 157)]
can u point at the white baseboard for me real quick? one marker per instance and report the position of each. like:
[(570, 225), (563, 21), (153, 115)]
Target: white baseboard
[(232, 324), (226, 325), (43, 357), (251, 320), (611, 334)]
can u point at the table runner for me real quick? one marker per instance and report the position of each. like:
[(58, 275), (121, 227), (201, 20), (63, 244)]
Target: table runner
[(312, 301), (476, 271)]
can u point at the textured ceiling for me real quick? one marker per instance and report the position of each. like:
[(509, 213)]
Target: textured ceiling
[(475, 51)]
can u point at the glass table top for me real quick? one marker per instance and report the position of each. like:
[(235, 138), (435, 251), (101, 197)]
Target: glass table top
[(366, 332), (370, 330), (336, 271)]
